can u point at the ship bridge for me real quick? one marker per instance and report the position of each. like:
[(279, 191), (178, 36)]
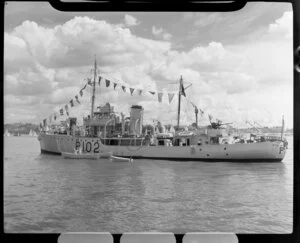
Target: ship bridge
[(105, 120)]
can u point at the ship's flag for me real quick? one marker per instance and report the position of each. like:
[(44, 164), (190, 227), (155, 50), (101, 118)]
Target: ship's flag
[(159, 95), (99, 80), (140, 92), (76, 97), (81, 93), (181, 88), (71, 102), (151, 92), (89, 82), (61, 111), (131, 90), (124, 88), (196, 108), (107, 82), (170, 95), (115, 85), (181, 91)]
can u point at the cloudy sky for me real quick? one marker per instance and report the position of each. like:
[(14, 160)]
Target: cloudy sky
[(239, 63)]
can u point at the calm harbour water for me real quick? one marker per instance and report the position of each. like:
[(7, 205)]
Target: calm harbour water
[(46, 193)]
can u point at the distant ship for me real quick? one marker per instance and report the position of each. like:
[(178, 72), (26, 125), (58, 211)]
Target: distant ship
[(32, 133), (106, 131), (7, 134)]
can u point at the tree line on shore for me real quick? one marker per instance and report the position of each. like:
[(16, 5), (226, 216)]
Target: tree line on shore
[(21, 128), (24, 128)]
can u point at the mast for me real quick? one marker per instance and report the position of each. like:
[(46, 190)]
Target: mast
[(196, 112), (94, 86), (282, 127), (179, 101)]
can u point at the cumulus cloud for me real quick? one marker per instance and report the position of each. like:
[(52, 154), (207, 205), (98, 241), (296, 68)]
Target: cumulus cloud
[(45, 67), (130, 20), (283, 26), (156, 31), (74, 42), (167, 36), (161, 33)]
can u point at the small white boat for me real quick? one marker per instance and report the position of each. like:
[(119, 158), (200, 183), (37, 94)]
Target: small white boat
[(32, 133), (7, 134), (105, 154), (120, 159), (86, 155)]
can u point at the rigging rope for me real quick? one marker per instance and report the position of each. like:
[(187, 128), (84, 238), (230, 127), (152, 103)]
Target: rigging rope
[(89, 88)]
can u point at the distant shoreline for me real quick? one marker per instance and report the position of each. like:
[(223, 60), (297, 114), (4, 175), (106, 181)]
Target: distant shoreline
[(24, 129)]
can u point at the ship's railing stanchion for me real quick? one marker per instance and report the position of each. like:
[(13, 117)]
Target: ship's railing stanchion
[(105, 127)]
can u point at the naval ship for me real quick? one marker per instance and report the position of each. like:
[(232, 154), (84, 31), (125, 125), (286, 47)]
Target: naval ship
[(105, 130)]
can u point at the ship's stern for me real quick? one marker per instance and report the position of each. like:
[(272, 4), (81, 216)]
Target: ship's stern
[(279, 150)]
